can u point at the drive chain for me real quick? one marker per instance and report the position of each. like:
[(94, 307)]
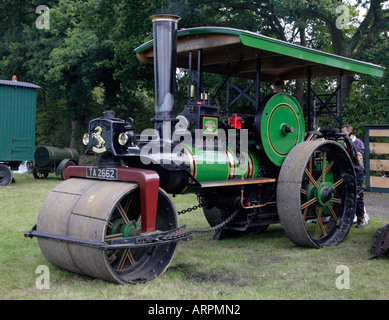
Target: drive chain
[(198, 206), (187, 234)]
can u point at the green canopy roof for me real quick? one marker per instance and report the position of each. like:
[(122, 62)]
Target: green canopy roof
[(226, 50)]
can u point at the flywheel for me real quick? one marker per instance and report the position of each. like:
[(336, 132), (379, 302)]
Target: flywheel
[(316, 194), (103, 211), (279, 127)]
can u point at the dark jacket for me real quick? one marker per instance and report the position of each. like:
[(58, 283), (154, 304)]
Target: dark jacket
[(360, 146)]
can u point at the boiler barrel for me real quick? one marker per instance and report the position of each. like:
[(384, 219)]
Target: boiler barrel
[(46, 156), (213, 165)]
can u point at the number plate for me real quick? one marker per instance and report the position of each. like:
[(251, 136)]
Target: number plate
[(102, 173)]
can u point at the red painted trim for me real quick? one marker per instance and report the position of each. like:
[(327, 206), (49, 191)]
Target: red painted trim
[(148, 181)]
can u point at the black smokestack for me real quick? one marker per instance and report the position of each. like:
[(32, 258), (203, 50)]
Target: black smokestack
[(165, 64)]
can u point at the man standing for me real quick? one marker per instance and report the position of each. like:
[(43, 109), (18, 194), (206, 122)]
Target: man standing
[(278, 86), (358, 166)]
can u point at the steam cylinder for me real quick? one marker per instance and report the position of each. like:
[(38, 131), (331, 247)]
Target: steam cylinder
[(165, 64)]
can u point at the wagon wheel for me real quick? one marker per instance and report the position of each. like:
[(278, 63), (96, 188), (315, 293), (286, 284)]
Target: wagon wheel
[(40, 174), (68, 164), (5, 175), (316, 194), (103, 211)]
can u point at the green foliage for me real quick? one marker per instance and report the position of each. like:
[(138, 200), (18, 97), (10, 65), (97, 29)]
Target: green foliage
[(85, 61), (368, 102)]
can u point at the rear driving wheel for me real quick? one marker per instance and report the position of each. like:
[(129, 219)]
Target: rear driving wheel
[(316, 194)]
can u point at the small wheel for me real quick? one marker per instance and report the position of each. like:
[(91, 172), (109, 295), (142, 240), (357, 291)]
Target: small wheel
[(68, 164), (316, 194), (40, 174), (5, 175)]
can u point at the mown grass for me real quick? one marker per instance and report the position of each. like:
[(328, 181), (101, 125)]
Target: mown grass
[(265, 266)]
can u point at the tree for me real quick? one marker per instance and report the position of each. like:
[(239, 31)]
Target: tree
[(368, 103), (85, 62), (289, 20)]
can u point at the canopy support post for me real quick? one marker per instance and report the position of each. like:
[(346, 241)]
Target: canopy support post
[(194, 78), (339, 101), (309, 98), (258, 83)]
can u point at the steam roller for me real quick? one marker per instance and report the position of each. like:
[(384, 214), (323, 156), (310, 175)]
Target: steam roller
[(116, 220)]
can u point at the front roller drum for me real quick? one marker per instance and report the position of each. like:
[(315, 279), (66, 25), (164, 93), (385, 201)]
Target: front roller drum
[(316, 194), (102, 211)]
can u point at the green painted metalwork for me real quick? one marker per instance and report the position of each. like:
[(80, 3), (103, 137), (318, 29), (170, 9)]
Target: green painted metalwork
[(282, 126), (213, 165), (255, 164), (209, 165), (48, 156), (281, 59), (312, 55)]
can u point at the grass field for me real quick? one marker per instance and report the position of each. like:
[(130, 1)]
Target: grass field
[(265, 266)]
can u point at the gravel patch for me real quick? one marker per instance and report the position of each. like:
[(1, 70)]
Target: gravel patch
[(377, 204)]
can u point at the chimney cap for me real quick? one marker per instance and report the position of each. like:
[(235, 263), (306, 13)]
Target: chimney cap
[(110, 114), (165, 17)]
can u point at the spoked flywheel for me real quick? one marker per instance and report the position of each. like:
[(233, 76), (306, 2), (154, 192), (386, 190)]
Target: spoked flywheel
[(316, 194), (103, 211)]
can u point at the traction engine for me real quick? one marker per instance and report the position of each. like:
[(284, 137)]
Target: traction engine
[(117, 221)]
